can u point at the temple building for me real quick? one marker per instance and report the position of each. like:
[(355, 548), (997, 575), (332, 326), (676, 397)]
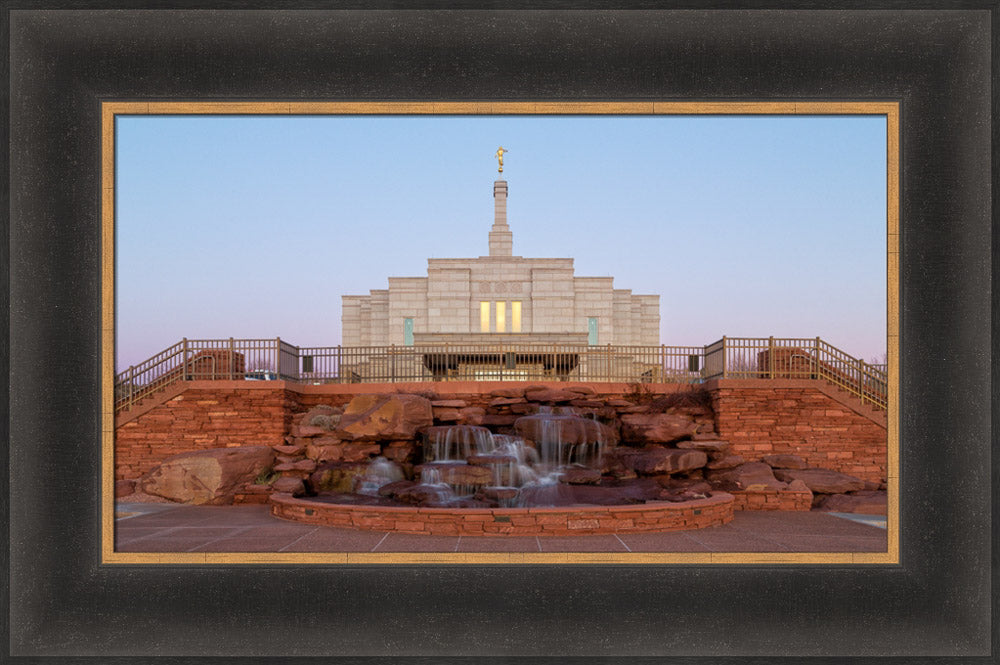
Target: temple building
[(500, 299)]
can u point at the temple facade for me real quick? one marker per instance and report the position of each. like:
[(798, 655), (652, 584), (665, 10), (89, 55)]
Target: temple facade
[(500, 298)]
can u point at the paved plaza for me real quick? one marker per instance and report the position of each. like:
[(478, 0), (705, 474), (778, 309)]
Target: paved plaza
[(149, 527)]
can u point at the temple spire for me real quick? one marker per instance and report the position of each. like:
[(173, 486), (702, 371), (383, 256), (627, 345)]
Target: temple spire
[(501, 239)]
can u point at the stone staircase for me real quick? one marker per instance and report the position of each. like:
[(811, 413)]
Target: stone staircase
[(150, 402)]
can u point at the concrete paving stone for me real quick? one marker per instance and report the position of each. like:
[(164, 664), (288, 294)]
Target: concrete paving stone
[(164, 544), (600, 543), (167, 519), (126, 535), (799, 523), (670, 541), (721, 539), (193, 535), (403, 542), (253, 529), (260, 515), (870, 520), (831, 543), (204, 531), (279, 530), (328, 539), (240, 543), (498, 544), (144, 508)]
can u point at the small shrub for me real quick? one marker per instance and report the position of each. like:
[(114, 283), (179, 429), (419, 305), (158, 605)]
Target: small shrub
[(326, 422), (639, 393), (266, 477), (691, 397)]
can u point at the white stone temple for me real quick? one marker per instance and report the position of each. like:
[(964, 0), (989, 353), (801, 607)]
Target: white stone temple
[(501, 298)]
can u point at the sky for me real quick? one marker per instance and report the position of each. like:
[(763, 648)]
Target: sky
[(255, 226)]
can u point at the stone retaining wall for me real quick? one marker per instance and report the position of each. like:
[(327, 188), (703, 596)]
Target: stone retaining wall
[(210, 414), (798, 417), (771, 499), (758, 417), (652, 517)]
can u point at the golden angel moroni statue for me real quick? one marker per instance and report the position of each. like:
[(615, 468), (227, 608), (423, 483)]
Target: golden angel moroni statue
[(499, 156)]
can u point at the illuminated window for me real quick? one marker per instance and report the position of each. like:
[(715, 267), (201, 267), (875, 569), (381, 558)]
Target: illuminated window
[(515, 316), (501, 316), (484, 316)]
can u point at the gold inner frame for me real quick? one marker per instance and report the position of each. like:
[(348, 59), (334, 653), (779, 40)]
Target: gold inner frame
[(111, 109)]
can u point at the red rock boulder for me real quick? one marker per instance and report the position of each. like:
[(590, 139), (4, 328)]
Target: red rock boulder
[(578, 475), (697, 489), (552, 395), (726, 462), (308, 431), (472, 415), (570, 430), (399, 451), (329, 449), (784, 461), (655, 459), (421, 495), (207, 476), (288, 485), (337, 476), (384, 417), (455, 473), (124, 488), (823, 481), (708, 445), (447, 415), (751, 475), (301, 468), (866, 502), (657, 427)]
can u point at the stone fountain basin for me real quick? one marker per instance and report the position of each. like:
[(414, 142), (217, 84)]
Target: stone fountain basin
[(651, 516)]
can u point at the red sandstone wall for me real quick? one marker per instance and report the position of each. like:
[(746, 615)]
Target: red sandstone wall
[(771, 500), (758, 417), (697, 514), (203, 418), (768, 419)]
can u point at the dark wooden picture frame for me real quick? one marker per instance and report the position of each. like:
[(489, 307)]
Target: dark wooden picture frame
[(63, 602)]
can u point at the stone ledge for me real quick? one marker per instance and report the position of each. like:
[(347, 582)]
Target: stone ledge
[(557, 521), (772, 499)]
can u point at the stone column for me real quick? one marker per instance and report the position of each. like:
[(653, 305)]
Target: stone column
[(501, 239)]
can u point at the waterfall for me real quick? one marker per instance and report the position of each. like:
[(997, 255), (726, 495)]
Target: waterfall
[(380, 472), (519, 473)]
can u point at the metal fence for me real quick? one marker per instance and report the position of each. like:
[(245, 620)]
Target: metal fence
[(797, 358), (276, 359)]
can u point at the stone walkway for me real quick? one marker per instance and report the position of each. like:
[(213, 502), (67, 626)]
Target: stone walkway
[(148, 527)]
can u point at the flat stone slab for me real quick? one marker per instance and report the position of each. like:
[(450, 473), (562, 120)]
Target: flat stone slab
[(823, 481), (711, 445)]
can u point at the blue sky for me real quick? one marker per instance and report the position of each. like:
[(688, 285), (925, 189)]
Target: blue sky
[(254, 226)]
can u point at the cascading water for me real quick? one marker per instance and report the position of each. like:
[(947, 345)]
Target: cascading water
[(456, 442), (564, 438), (519, 474), (379, 472)]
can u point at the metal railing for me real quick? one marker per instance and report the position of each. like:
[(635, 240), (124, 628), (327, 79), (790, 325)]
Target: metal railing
[(274, 359), (797, 358)]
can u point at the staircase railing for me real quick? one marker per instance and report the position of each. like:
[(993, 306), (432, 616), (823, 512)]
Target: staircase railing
[(730, 357), (798, 358)]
